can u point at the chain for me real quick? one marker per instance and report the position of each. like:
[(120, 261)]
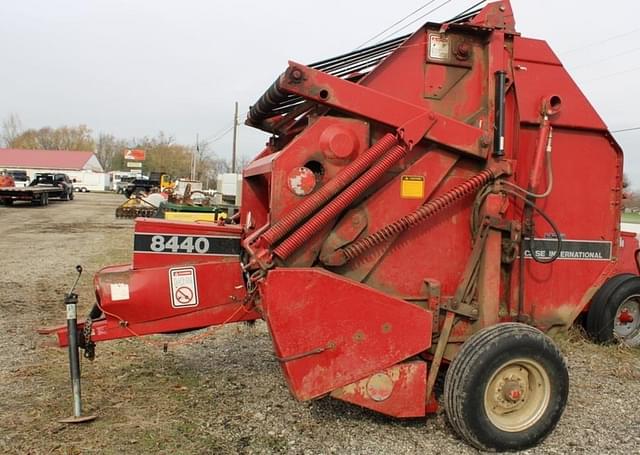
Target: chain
[(89, 346)]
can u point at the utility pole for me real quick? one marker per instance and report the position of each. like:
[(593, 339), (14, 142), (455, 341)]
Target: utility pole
[(235, 139), (194, 157)]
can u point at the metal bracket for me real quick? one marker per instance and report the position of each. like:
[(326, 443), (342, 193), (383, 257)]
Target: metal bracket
[(440, 348), (468, 310)]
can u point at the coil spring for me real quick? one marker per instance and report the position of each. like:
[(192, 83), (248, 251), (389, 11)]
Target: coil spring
[(313, 202), (337, 205), (421, 214)]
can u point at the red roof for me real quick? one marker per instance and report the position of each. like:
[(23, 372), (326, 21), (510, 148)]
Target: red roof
[(44, 159)]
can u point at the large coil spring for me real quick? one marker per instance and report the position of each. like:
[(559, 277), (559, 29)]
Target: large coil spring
[(425, 211), (313, 202), (341, 202)]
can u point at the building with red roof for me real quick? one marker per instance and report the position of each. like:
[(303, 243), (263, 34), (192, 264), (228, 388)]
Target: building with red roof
[(49, 160), (81, 166)]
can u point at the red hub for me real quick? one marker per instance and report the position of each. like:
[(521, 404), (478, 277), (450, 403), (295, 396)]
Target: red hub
[(625, 317)]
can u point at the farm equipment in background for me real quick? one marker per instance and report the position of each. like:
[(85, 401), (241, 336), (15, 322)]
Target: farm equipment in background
[(157, 182), (137, 206), (437, 202), (180, 202), (145, 195), (6, 180)]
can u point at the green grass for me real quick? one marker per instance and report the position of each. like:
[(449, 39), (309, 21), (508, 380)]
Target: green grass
[(631, 217)]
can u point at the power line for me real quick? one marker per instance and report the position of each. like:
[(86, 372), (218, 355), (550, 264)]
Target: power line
[(216, 137), (469, 11), (432, 10), (635, 128), (593, 62), (599, 42), (606, 76), (396, 23)]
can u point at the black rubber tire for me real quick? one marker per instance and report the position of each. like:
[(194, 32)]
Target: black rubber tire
[(605, 304), (8, 202), (592, 322), (71, 196), (468, 376)]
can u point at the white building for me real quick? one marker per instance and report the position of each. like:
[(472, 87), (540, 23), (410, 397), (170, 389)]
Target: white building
[(83, 168)]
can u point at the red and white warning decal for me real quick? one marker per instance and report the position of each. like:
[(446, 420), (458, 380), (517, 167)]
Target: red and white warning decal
[(184, 287), (438, 46)]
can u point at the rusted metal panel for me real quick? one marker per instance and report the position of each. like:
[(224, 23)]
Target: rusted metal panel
[(329, 331), (398, 391)]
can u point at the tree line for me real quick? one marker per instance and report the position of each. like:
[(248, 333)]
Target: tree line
[(163, 153)]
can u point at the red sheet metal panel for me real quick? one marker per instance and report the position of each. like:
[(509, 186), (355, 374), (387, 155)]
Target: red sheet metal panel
[(329, 331), (537, 74), (399, 391)]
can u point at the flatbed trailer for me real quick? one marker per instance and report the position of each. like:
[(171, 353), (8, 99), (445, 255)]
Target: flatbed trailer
[(37, 195)]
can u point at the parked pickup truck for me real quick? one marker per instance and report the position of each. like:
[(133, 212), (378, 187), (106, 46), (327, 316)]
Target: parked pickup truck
[(40, 190)]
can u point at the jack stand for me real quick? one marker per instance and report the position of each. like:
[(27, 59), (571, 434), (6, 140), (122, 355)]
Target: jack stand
[(71, 302)]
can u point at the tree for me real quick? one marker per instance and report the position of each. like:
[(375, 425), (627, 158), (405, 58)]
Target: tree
[(11, 129), (163, 154), (110, 152), (62, 138)]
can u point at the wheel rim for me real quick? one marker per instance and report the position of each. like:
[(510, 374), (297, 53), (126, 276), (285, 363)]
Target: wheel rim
[(626, 323), (517, 395)]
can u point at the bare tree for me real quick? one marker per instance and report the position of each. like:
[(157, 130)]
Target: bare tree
[(11, 129), (109, 151)]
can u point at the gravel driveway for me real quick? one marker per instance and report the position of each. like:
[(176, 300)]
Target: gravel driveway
[(225, 393)]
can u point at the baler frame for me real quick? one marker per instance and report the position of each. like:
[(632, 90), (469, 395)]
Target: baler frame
[(364, 299)]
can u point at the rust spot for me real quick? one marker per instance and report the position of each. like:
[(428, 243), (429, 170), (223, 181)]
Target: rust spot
[(359, 336), (386, 327)]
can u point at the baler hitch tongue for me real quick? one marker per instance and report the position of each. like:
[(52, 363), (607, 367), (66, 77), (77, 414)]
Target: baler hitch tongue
[(71, 304)]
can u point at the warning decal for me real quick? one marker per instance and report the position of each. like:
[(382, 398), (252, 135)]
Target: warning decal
[(438, 47), (412, 187), (184, 289), (589, 250)]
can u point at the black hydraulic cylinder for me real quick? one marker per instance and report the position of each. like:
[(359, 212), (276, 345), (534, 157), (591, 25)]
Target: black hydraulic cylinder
[(498, 139)]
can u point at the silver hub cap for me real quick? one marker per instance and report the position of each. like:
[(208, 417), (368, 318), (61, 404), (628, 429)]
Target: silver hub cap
[(626, 324)]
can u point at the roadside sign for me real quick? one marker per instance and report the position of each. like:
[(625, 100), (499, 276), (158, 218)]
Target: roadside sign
[(136, 164), (134, 154)]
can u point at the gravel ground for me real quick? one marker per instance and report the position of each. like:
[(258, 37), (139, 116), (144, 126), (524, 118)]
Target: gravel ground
[(224, 394)]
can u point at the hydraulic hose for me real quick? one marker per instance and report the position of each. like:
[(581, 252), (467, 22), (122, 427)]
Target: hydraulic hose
[(263, 108)]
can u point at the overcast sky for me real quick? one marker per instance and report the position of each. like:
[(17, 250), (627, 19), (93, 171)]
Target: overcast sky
[(137, 67)]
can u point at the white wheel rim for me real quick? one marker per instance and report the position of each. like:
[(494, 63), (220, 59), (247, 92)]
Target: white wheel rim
[(626, 323), (517, 395)]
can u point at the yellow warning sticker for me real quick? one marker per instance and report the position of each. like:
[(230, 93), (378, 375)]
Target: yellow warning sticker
[(412, 187)]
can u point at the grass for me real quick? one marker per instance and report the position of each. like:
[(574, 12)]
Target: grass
[(631, 218)]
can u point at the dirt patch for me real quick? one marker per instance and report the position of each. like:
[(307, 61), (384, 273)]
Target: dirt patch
[(224, 394)]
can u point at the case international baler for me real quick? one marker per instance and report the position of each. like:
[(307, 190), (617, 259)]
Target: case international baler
[(435, 203)]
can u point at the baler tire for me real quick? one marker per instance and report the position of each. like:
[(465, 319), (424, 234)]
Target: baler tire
[(473, 381), (616, 292), (598, 302)]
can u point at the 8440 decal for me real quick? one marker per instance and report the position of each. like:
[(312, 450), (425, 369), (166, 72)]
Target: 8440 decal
[(186, 244)]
